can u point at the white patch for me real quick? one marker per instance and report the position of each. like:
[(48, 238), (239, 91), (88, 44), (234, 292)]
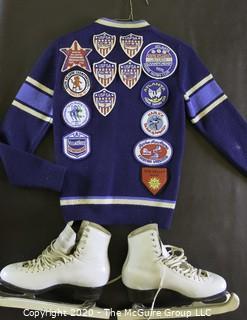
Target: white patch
[(153, 152), (76, 83), (154, 123), (76, 114)]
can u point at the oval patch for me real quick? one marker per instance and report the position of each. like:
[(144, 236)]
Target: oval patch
[(153, 152), (76, 83), (155, 93), (76, 114), (158, 60), (154, 123)]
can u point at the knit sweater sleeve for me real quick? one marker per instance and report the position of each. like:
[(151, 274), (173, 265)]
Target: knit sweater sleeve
[(26, 123), (210, 111)]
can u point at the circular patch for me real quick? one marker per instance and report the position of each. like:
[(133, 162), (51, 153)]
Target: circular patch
[(154, 123), (76, 114), (158, 60), (154, 93), (76, 83), (153, 152)]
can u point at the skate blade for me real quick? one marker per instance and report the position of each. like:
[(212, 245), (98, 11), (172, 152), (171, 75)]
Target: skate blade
[(62, 309), (196, 309)]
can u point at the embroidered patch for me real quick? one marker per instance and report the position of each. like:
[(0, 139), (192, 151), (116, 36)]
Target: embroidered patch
[(105, 72), (155, 93), (76, 56), (104, 43), (76, 114), (154, 123), (76, 83), (158, 60), (104, 101), (131, 44), (76, 145), (130, 73), (153, 152), (154, 179)]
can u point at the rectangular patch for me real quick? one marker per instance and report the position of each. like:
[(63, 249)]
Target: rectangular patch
[(35, 98), (203, 97)]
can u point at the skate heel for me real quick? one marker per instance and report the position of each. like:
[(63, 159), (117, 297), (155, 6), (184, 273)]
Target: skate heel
[(141, 296), (78, 294), (81, 294)]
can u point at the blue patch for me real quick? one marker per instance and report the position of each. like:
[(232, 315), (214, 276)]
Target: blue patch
[(104, 43), (131, 44), (76, 114), (104, 100), (155, 93), (105, 72), (130, 73), (76, 145), (158, 60)]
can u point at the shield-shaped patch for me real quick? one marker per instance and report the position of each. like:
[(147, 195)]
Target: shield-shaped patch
[(105, 72), (104, 43), (131, 44), (104, 101), (154, 179), (76, 145), (130, 73)]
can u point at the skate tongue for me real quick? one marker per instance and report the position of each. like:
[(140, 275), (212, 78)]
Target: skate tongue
[(164, 251), (66, 240)]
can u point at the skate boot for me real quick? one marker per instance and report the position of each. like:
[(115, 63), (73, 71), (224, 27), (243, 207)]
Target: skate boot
[(72, 269), (152, 267)]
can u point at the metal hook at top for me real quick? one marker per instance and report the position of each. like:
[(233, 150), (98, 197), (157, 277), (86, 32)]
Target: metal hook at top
[(131, 16)]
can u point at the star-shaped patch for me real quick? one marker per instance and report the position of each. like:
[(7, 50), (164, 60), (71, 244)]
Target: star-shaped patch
[(76, 56)]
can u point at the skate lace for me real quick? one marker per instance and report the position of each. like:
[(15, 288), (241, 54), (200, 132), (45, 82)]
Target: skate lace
[(49, 258), (178, 262)]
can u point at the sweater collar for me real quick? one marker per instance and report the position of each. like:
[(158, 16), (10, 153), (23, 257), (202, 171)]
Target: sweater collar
[(122, 24)]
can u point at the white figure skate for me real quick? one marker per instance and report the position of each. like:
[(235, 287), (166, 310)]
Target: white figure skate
[(74, 266), (151, 267)]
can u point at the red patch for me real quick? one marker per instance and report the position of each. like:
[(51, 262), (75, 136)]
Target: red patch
[(76, 56), (154, 179)]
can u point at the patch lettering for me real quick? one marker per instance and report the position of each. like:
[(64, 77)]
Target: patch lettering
[(131, 44), (76, 83), (104, 43), (76, 145), (154, 179), (153, 152), (104, 100), (155, 93), (130, 73), (154, 123), (158, 60), (105, 72), (76, 56), (76, 114)]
